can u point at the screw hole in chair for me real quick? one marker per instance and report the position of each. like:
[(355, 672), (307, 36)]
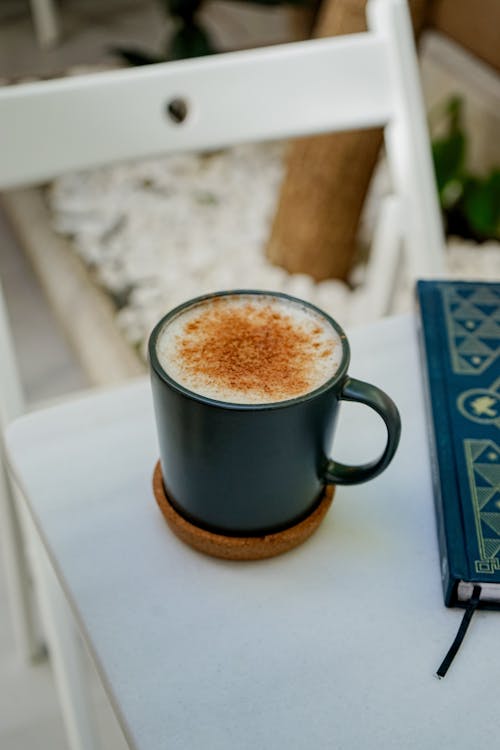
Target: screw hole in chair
[(177, 110)]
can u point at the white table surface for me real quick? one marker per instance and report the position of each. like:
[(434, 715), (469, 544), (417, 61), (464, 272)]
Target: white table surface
[(333, 645)]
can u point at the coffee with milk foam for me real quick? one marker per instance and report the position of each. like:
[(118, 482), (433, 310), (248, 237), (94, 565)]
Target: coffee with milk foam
[(249, 349)]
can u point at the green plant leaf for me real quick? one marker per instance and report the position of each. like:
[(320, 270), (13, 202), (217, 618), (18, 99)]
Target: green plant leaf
[(449, 155), (185, 9), (190, 40), (481, 205), (134, 56)]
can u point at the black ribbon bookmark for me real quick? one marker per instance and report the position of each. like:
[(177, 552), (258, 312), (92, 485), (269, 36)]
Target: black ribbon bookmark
[(471, 608)]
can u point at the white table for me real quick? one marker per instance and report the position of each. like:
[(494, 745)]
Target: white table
[(333, 645)]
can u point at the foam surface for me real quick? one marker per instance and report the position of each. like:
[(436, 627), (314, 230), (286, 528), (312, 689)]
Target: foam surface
[(249, 349)]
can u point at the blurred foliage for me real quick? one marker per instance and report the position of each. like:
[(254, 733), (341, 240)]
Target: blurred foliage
[(470, 203), (189, 38)]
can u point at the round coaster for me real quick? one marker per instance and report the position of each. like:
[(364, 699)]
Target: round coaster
[(239, 547)]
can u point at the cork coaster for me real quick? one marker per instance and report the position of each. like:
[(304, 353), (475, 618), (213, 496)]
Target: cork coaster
[(239, 547)]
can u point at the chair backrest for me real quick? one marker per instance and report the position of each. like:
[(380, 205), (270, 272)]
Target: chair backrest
[(356, 81), (275, 92)]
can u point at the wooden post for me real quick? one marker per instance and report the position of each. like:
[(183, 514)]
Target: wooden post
[(327, 176), (475, 26)]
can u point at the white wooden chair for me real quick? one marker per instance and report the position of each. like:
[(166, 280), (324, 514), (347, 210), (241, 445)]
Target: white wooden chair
[(362, 80)]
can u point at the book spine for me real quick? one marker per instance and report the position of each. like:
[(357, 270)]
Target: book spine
[(450, 529)]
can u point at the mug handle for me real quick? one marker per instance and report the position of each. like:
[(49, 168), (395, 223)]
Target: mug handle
[(364, 393)]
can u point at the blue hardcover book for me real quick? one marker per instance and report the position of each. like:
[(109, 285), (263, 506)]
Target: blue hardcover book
[(460, 337)]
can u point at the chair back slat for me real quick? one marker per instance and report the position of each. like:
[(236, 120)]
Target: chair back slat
[(276, 92)]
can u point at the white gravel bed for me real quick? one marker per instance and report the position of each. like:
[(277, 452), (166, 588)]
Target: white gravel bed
[(157, 232)]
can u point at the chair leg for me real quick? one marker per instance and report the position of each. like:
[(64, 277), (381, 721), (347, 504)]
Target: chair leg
[(19, 582), (67, 655), (45, 21), (407, 143)]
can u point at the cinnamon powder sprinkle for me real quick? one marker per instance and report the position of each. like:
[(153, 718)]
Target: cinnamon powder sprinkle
[(251, 349)]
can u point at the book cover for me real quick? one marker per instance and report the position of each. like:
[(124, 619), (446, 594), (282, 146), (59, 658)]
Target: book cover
[(460, 345)]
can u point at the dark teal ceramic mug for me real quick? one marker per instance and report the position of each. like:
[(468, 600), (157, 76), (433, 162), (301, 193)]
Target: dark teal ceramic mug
[(258, 465)]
